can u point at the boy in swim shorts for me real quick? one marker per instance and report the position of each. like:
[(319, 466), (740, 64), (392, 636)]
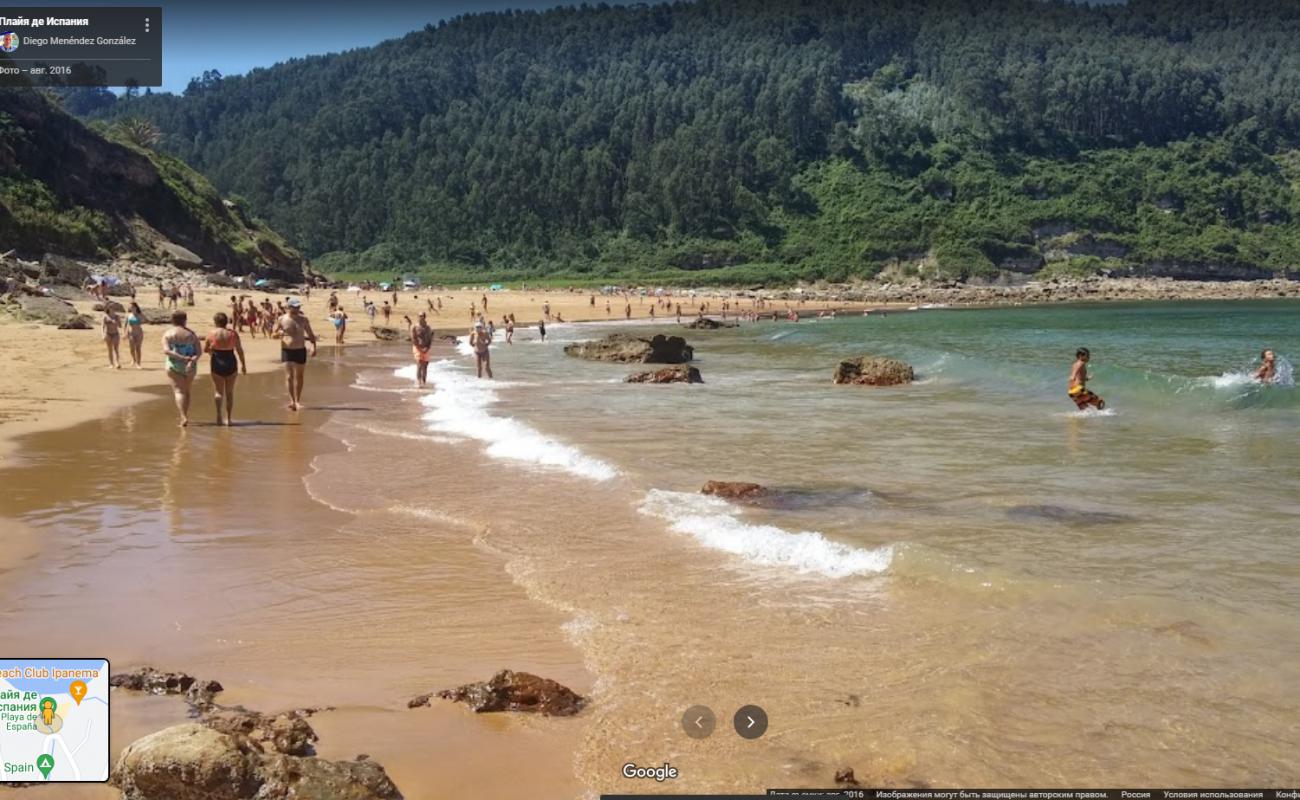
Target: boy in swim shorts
[(1079, 382), (421, 342)]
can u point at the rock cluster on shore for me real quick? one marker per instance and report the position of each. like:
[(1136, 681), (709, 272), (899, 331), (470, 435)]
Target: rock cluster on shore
[(234, 753)]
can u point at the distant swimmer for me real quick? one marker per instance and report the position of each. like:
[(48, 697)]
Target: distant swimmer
[(1267, 372), (481, 341), (1079, 382), (294, 330), (421, 342)]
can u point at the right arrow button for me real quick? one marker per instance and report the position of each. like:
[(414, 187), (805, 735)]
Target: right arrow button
[(750, 722)]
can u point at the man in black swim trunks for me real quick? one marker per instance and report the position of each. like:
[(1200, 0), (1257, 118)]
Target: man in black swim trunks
[(294, 331)]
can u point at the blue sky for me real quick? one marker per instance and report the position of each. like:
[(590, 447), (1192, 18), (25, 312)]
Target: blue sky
[(235, 36)]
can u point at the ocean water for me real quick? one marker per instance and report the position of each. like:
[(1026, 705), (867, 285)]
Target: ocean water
[(964, 581)]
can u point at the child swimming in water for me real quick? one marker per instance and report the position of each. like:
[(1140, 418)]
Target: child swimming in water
[(1079, 382)]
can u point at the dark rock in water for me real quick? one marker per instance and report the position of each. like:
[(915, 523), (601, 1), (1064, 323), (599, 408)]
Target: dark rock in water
[(782, 499), (874, 371), (846, 776), (79, 322), (679, 374), (387, 334), (287, 733), (1072, 516), (729, 490), (513, 691), (625, 348), (197, 692), (707, 324), (112, 304), (38, 308), (193, 762)]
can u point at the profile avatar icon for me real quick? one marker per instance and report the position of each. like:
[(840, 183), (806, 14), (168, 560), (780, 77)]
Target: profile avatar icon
[(48, 721), (9, 41)]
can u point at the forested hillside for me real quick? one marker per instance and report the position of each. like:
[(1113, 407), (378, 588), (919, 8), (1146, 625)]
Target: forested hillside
[(747, 140)]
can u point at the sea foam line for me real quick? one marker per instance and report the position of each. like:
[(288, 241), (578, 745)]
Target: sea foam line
[(459, 405), (713, 523)]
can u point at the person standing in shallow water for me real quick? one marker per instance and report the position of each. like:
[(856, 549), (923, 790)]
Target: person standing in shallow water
[(481, 341), (295, 332), (421, 343), (1079, 382), (181, 354), (227, 361)]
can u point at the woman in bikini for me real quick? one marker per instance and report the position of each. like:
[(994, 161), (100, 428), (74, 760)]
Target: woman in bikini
[(135, 334), (112, 325), (181, 348), (227, 362)]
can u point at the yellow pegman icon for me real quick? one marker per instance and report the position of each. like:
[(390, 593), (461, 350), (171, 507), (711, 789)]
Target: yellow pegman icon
[(47, 710)]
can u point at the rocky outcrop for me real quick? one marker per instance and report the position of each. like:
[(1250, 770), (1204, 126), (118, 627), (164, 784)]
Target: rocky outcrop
[(136, 201), (56, 269), (288, 732), (385, 334), (512, 691), (845, 776), (709, 324), (625, 348), (194, 762), (730, 490), (197, 692), (42, 309), (111, 305), (173, 253), (874, 371), (679, 374), (80, 322)]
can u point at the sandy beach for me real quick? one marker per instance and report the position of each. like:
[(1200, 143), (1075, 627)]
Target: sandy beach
[(56, 378)]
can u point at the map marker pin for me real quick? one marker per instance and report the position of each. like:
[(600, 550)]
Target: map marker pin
[(77, 690), (45, 763)]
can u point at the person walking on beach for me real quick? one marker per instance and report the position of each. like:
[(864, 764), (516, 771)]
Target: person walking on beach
[(541, 328), (421, 342), (340, 319), (481, 341), (510, 329), (1267, 371), (227, 361), (294, 330), (181, 348), (1079, 382), (111, 324), (388, 312), (135, 334)]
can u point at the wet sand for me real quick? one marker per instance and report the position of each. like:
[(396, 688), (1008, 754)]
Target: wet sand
[(202, 550)]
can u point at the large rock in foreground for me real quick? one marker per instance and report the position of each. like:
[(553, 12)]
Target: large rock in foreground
[(193, 762), (625, 348), (37, 308), (679, 374), (874, 371), (513, 691)]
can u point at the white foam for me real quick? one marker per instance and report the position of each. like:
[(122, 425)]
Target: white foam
[(1089, 413), (460, 404), (1229, 380), (713, 523)]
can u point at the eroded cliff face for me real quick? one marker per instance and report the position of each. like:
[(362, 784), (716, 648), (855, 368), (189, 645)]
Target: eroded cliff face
[(65, 188)]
